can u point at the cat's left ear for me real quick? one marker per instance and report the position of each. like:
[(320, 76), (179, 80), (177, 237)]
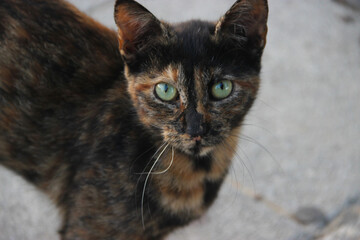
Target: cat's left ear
[(245, 23), (137, 28)]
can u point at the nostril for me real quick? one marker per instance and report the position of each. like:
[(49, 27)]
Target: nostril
[(197, 139), (194, 130)]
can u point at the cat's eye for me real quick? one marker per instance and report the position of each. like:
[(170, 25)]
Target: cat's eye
[(166, 92), (222, 89)]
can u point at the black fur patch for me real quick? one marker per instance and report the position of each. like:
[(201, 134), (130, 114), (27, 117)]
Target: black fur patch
[(203, 163), (211, 191)]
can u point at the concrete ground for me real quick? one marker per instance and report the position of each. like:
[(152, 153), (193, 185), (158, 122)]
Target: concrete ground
[(297, 172)]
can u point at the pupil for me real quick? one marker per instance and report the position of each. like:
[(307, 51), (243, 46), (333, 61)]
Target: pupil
[(222, 86), (166, 88)]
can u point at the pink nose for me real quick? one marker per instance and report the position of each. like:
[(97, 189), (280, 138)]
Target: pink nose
[(198, 138)]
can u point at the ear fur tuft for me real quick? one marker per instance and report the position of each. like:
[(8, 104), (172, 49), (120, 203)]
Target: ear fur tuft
[(137, 27)]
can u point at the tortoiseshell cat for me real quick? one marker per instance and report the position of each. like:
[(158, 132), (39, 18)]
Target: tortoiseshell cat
[(129, 144)]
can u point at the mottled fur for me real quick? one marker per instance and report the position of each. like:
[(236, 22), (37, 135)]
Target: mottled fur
[(80, 120)]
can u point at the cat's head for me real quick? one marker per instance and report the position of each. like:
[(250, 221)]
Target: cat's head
[(192, 83)]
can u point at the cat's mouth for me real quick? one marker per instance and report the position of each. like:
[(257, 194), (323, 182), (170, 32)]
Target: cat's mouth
[(193, 146)]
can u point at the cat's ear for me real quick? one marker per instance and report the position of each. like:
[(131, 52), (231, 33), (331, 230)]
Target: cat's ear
[(137, 27), (245, 22)]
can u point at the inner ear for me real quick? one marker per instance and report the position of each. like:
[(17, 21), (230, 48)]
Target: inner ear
[(246, 21), (137, 27)]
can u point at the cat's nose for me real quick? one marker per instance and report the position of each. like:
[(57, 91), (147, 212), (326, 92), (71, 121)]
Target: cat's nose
[(194, 123)]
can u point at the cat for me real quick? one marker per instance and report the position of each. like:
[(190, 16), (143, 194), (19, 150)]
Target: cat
[(130, 132)]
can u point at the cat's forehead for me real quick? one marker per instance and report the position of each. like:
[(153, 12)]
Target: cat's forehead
[(191, 53), (194, 40), (183, 75), (194, 28)]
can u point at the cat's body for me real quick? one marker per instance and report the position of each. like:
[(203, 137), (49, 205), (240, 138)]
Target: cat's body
[(86, 125)]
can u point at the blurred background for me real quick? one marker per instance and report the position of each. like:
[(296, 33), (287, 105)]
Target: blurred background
[(296, 174)]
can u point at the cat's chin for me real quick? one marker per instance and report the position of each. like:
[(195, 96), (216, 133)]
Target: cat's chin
[(205, 151), (198, 151)]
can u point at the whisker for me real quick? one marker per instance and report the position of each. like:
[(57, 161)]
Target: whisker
[(142, 173), (142, 154), (251, 140), (236, 179), (145, 183), (267, 105), (244, 165), (167, 169), (246, 157), (259, 127), (254, 141)]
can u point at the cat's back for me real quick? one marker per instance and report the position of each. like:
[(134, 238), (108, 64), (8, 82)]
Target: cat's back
[(50, 48), (56, 64)]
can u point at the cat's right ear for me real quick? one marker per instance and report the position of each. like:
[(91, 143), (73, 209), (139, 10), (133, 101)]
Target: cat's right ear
[(137, 28)]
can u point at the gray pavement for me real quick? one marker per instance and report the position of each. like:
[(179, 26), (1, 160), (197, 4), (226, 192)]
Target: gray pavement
[(300, 147)]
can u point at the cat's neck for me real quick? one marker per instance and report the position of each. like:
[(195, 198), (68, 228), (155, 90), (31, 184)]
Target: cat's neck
[(189, 184)]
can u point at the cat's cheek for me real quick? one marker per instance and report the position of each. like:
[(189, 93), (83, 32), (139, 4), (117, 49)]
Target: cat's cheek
[(143, 117), (132, 92), (171, 136), (141, 110)]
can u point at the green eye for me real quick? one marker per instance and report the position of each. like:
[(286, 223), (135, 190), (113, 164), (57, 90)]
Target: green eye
[(221, 89), (165, 91)]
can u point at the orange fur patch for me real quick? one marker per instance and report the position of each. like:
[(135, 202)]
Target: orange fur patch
[(182, 187)]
